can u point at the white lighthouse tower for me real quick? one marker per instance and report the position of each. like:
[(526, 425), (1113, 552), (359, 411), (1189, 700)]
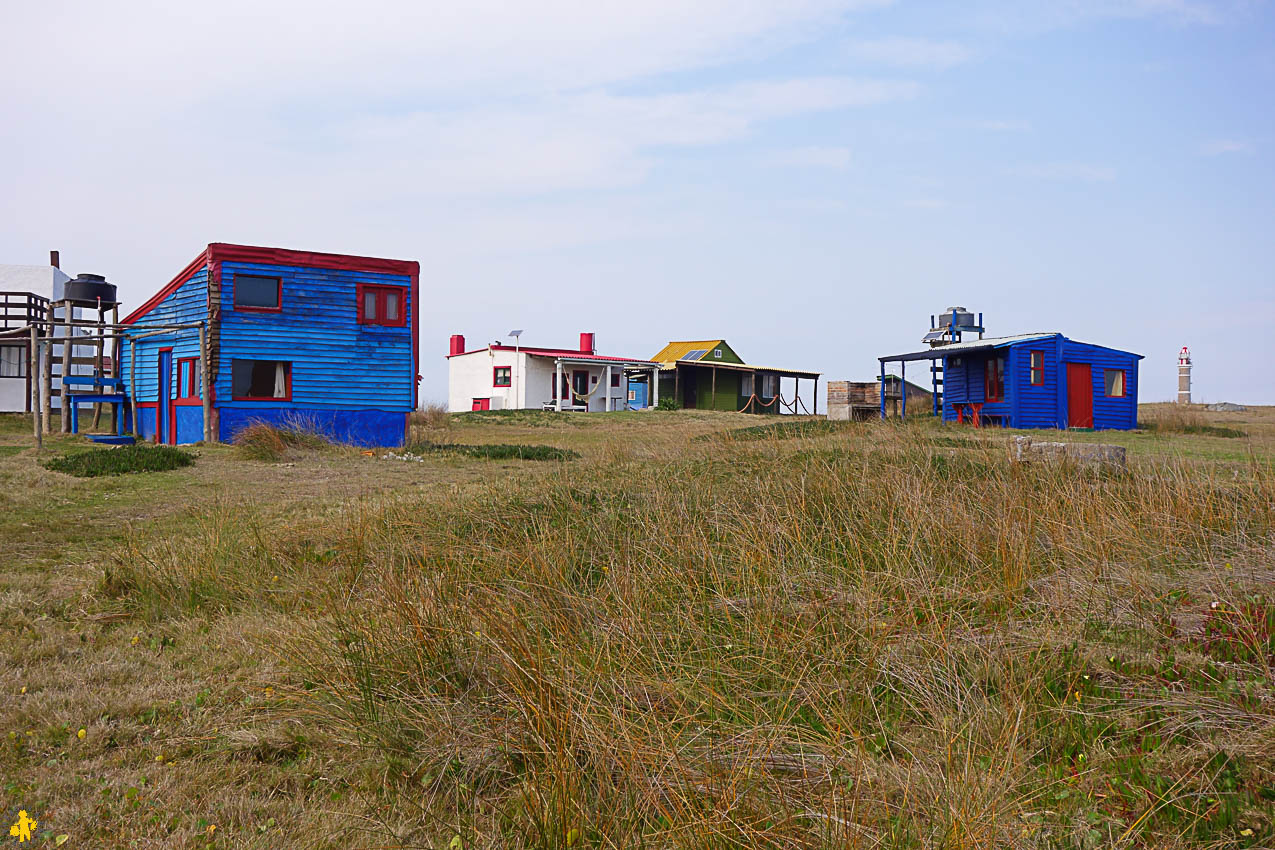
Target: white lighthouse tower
[(1184, 376)]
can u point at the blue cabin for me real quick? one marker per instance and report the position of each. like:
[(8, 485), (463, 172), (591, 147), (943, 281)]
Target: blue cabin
[(325, 342), (1040, 380)]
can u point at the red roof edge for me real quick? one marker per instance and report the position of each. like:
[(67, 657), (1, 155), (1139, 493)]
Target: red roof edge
[(218, 252)]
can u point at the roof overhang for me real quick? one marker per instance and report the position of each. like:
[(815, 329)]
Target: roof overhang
[(586, 360), (740, 367), (938, 352)]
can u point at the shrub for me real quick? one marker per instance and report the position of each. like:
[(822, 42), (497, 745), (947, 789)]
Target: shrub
[(435, 415), (260, 441), (497, 451), (668, 403), (1182, 419), (120, 461)]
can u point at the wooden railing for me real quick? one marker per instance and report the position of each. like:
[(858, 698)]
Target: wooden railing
[(19, 309)]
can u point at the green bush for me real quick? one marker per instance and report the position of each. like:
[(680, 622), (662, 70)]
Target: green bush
[(668, 403), (497, 451), (120, 461)]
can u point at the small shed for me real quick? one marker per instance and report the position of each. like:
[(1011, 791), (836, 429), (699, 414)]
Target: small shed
[(1040, 380), (326, 342)]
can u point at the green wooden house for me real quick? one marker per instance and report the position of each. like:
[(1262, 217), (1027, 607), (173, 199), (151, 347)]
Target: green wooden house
[(707, 374)]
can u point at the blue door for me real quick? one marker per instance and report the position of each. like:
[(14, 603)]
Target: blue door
[(163, 409), (637, 394)]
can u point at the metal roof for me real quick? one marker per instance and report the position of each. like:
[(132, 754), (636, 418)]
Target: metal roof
[(684, 349), (740, 367), (973, 345)]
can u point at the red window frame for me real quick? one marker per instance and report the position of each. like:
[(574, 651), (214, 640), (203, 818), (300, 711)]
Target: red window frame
[(287, 381), (994, 379), (1036, 372), (241, 308), (1124, 383), (495, 376), (187, 376), (380, 291)]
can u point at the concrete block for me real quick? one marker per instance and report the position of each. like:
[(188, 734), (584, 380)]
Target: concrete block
[(1024, 449)]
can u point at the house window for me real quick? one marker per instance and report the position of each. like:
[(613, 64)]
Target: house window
[(188, 377), (254, 292), (1113, 382), (615, 378), (13, 361), (1036, 368), (502, 376), (769, 385), (994, 384), (381, 305), (746, 384), (261, 379), (632, 395), (717, 353)]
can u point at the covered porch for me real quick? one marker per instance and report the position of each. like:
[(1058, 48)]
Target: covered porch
[(577, 380), (738, 387)]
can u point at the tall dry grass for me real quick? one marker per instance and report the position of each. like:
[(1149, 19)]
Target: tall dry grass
[(857, 641)]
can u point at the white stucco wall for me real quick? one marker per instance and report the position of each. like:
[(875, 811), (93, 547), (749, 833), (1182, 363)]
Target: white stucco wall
[(469, 376)]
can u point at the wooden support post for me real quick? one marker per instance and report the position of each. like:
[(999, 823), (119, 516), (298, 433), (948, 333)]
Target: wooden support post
[(33, 370), (903, 389), (46, 381), (117, 414), (203, 383), (713, 403), (816, 395), (99, 351), (68, 322), (132, 385), (677, 384), (883, 389)]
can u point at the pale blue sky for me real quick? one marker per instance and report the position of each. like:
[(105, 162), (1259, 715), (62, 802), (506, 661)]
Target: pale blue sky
[(810, 180)]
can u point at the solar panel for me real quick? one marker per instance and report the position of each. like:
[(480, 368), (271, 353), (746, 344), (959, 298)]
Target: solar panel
[(933, 335), (695, 355)]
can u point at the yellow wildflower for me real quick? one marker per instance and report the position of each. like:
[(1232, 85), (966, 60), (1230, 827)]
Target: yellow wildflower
[(80, 734)]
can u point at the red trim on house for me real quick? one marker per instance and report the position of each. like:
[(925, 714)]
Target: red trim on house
[(993, 367), (245, 308), (497, 383), (1124, 383), (380, 290), (556, 352), (169, 288), (190, 365), (1033, 371)]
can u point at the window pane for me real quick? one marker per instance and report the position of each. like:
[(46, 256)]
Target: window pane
[(12, 361), (369, 304), (254, 291), (260, 378), (1115, 382), (391, 306), (746, 384)]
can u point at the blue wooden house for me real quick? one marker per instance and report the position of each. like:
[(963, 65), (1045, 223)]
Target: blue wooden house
[(326, 342), (1042, 380)]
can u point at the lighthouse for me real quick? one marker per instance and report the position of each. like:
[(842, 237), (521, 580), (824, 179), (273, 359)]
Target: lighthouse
[(1184, 376)]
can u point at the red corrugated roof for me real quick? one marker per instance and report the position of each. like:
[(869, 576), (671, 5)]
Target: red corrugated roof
[(573, 353)]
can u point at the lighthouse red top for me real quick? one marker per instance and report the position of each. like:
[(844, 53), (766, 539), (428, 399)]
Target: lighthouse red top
[(1184, 356)]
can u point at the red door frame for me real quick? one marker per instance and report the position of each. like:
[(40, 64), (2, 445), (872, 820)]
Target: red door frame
[(1079, 395), (163, 382)]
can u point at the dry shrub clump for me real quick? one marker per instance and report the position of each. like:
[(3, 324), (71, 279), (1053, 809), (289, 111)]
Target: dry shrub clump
[(1182, 419), (867, 643), (262, 441)]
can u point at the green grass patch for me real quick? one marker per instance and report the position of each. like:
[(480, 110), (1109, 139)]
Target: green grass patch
[(497, 451), (8, 451), (120, 461)]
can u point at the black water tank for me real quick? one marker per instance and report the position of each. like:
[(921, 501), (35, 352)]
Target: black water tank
[(90, 290)]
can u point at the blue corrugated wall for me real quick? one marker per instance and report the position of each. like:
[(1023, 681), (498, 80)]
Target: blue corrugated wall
[(343, 373), (1033, 407)]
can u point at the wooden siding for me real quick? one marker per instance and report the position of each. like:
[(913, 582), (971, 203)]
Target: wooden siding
[(337, 363), (1119, 413), (187, 303), (1033, 406)]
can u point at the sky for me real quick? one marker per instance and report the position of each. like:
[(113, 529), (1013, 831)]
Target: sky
[(809, 179)]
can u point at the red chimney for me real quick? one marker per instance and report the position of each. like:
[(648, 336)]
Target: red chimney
[(457, 345), (55, 259), (586, 344)]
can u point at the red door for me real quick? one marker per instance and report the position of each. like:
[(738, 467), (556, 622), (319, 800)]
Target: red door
[(1079, 396)]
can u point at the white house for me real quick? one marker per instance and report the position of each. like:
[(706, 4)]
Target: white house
[(509, 377), (26, 296)]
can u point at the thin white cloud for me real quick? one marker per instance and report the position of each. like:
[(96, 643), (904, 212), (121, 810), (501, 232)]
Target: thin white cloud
[(836, 158), (910, 52), (1077, 171), (1220, 147)]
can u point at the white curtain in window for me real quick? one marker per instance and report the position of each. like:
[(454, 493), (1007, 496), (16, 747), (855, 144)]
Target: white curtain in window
[(280, 381), (11, 357)]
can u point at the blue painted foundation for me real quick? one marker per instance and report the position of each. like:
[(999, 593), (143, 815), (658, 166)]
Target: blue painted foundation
[(370, 428)]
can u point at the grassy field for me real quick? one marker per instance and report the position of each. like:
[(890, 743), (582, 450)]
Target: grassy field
[(681, 630)]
